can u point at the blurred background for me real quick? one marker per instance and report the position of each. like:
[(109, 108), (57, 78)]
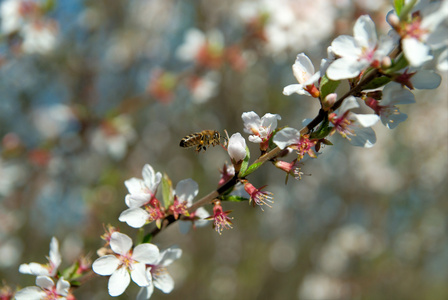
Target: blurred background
[(90, 91)]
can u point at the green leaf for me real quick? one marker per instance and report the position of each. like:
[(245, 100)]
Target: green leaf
[(167, 191), (251, 169), (323, 130), (398, 5), (245, 162), (327, 86), (234, 198), (376, 83), (70, 272), (406, 10)]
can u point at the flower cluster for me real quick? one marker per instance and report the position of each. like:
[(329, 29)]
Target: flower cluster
[(381, 73), (144, 264), (26, 20), (380, 77), (46, 276)]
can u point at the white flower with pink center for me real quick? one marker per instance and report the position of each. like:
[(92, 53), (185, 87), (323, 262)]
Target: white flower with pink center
[(185, 192), (354, 127), (358, 52), (393, 94), (260, 128), (142, 190), (161, 279), (45, 289), (142, 193), (126, 263), (303, 71), (426, 31)]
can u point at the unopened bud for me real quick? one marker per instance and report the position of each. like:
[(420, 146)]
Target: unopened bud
[(393, 20), (386, 62), (329, 101)]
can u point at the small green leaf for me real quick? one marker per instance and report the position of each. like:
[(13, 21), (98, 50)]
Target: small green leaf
[(376, 83), (398, 5), (406, 10), (327, 86), (167, 191), (70, 272), (251, 169), (323, 130), (245, 162), (234, 198)]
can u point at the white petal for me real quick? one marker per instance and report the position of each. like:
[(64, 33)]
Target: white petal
[(346, 46), (364, 32), (146, 253), (118, 282), (30, 293), (348, 104), (120, 243), (255, 139), (134, 185), (416, 52), (105, 265), (426, 79), (442, 61), (151, 178), (237, 147), (294, 88), (364, 137), (392, 120), (269, 121), (164, 282), (62, 287), (138, 274), (201, 213), (33, 269), (251, 121), (186, 190), (303, 68), (44, 282), (395, 94), (145, 292), (55, 256), (344, 68), (169, 255), (134, 217), (286, 137), (366, 120), (137, 200)]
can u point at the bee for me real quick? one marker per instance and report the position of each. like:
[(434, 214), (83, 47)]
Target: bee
[(201, 140)]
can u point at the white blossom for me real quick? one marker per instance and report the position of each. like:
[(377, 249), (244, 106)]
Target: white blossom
[(161, 279), (237, 147), (126, 260)]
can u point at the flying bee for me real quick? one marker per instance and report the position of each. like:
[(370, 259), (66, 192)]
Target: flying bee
[(201, 140)]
